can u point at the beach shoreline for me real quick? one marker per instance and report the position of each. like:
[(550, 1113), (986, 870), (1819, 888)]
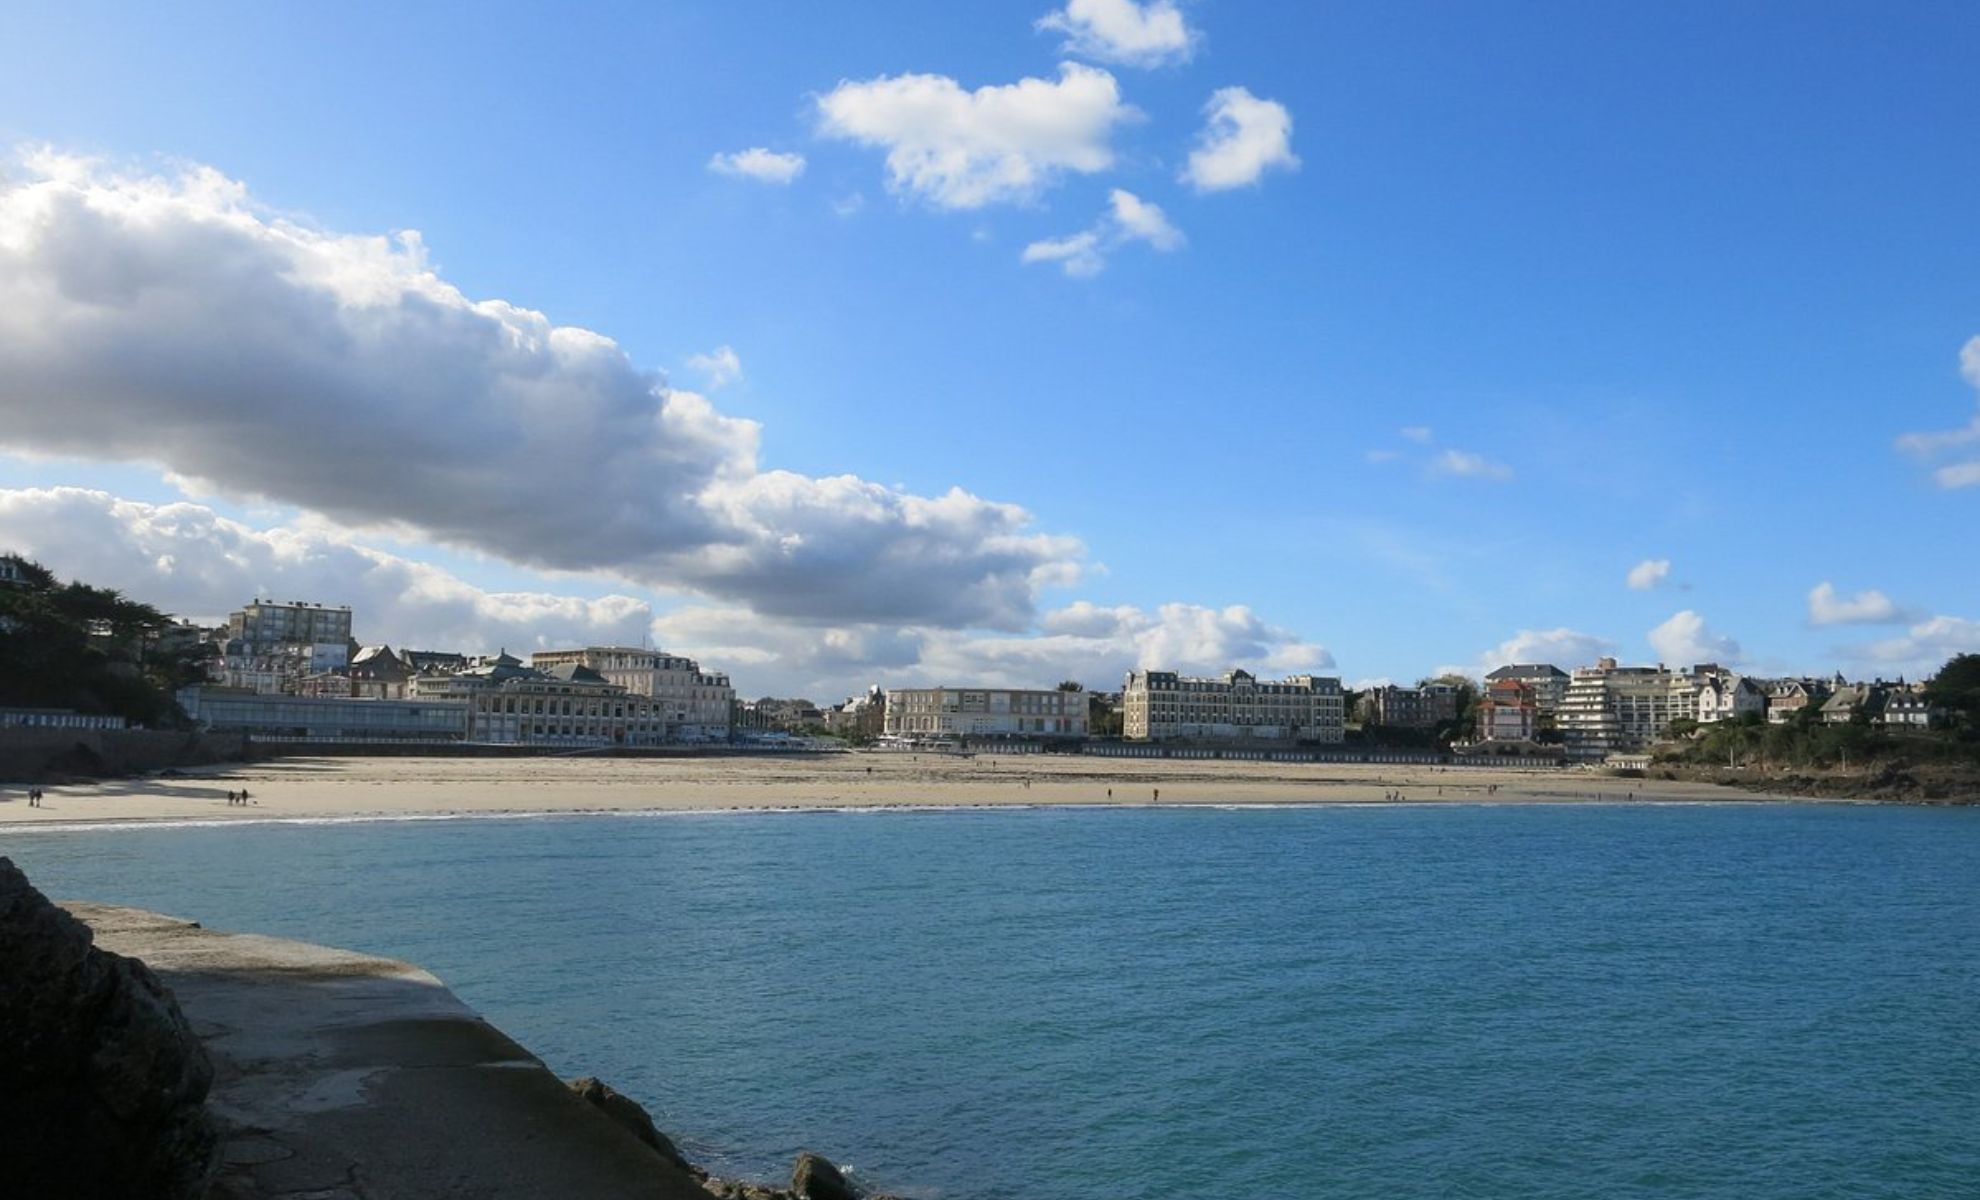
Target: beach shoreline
[(359, 788)]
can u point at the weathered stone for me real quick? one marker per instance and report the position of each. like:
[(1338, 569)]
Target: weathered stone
[(627, 1113), (102, 1082), (813, 1177)]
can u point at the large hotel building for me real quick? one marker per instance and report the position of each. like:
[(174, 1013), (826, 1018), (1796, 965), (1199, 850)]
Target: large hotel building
[(984, 712), (1162, 704), (695, 703)]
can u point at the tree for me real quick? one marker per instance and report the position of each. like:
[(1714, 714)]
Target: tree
[(82, 647), (1956, 688), (1071, 685)]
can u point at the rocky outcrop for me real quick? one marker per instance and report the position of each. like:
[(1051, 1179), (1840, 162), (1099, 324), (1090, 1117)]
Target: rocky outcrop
[(630, 1116), (102, 1082), (815, 1178)]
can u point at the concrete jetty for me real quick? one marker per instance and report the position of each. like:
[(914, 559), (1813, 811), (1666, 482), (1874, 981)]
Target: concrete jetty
[(343, 1076)]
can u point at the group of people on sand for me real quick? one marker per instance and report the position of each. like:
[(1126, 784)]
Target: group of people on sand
[(34, 797), (240, 797)]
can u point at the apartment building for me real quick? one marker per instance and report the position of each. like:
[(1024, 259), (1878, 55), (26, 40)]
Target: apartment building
[(697, 704), (1163, 704), (1610, 709), (1409, 708), (984, 712)]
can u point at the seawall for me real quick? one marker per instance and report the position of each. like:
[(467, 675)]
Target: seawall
[(343, 1076), (35, 755)]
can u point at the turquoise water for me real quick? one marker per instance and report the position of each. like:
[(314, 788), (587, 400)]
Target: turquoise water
[(1743, 1001)]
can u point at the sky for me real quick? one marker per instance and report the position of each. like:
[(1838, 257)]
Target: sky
[(1009, 342)]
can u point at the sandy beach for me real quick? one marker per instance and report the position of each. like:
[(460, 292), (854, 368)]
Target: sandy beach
[(318, 788)]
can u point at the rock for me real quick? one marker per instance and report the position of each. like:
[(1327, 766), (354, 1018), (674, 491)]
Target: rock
[(813, 1177), (102, 1082), (629, 1115)]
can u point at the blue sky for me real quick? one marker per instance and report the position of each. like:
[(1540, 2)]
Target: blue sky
[(1642, 283)]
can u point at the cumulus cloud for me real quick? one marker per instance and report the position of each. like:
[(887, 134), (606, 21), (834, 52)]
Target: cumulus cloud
[(1243, 137), (760, 164), (1463, 464), (963, 149), (719, 367), (1872, 607), (1128, 219), (1953, 442), (1121, 31), (189, 560), (170, 320), (1561, 647), (1094, 644), (1649, 573), (1685, 640), (1925, 647)]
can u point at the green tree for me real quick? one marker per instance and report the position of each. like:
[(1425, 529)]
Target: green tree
[(1956, 688)]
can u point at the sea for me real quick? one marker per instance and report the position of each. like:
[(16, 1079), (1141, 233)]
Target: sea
[(1746, 1000)]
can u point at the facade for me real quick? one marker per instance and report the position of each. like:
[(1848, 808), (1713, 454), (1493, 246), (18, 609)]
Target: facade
[(57, 718), (1849, 700), (1423, 707), (1162, 704), (506, 703), (325, 718), (1609, 709), (697, 704), (1509, 711), (378, 674), (265, 625), (1723, 696), (984, 712), (1909, 709), (1549, 684), (1788, 697), (11, 574)]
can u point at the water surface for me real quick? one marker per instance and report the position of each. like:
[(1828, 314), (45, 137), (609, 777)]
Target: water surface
[(1750, 1001)]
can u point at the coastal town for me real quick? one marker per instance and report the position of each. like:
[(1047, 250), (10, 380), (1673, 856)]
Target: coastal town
[(295, 672)]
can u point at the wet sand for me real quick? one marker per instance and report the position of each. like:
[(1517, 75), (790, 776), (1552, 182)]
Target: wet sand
[(320, 788)]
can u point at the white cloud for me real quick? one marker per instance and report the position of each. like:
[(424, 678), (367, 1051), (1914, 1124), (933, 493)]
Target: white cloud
[(1121, 31), (1925, 647), (1420, 434), (1562, 647), (1934, 445), (188, 560), (1128, 219), (966, 149), (1871, 607), (764, 166), (1466, 465), (1243, 137), (719, 367), (1079, 254), (1094, 644), (170, 320), (1685, 641), (1649, 573)]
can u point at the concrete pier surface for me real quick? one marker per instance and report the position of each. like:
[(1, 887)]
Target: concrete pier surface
[(342, 1076)]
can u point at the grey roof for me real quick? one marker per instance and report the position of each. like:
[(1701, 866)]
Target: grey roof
[(1528, 671)]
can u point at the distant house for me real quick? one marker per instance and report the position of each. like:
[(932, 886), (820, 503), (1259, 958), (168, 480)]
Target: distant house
[(1728, 697), (1549, 684), (376, 673), (1849, 700), (1788, 697), (1508, 712), (13, 571), (1911, 709)]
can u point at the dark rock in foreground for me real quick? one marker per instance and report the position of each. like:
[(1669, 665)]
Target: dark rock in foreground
[(102, 1082), (814, 1177), (630, 1116)]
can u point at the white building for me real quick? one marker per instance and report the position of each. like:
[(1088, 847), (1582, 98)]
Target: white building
[(1728, 697), (984, 712), (1549, 684), (695, 703), (1162, 704), (1609, 709)]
